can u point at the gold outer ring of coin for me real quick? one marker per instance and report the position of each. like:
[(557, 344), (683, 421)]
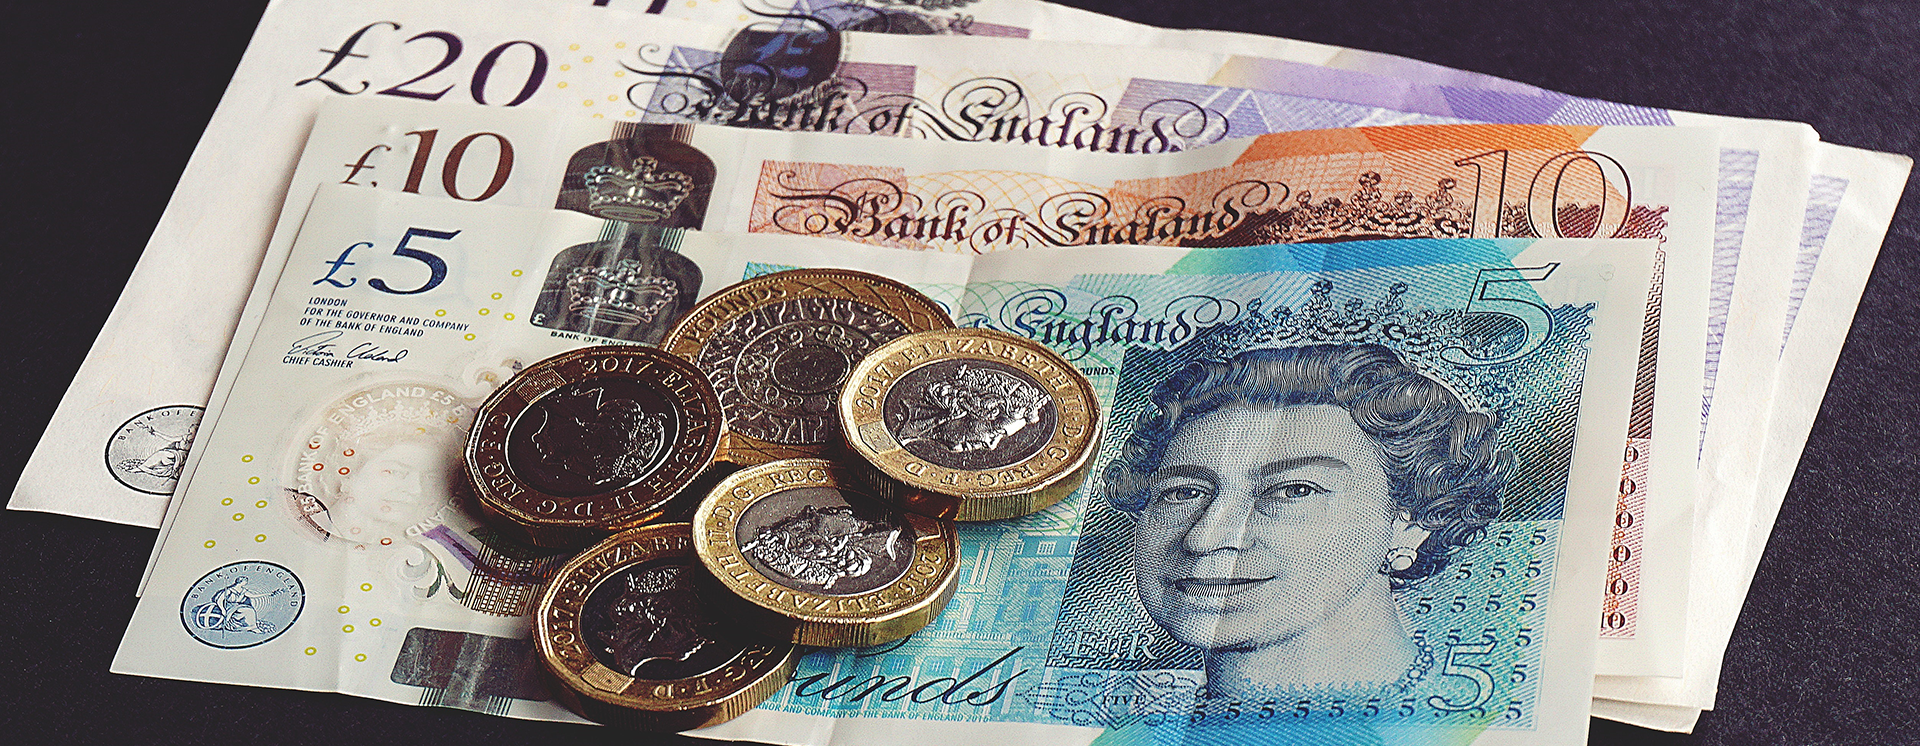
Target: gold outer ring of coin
[(699, 329), (604, 695), (511, 501), (884, 614), (1045, 477)]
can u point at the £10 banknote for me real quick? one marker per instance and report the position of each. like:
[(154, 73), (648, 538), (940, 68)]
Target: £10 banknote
[(297, 558)]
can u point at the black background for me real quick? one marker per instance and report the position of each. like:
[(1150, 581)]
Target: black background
[(103, 105)]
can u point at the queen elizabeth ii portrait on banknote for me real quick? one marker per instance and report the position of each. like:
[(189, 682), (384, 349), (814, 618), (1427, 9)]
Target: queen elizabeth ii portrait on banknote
[(377, 473), (1284, 497), (379, 464)]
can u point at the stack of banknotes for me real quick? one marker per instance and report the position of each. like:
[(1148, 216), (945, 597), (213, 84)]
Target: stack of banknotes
[(1441, 408)]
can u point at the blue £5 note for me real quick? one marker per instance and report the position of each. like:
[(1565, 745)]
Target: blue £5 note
[(1348, 491), (1338, 502)]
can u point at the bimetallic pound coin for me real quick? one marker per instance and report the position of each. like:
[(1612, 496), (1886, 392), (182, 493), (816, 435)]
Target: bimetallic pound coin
[(979, 424), (819, 559), (777, 349), (624, 629), (592, 441)]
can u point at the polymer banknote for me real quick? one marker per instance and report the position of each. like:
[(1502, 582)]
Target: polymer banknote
[(1763, 164), (1847, 208), (324, 542), (1849, 202)]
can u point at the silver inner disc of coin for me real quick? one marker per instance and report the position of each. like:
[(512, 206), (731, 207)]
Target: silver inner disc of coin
[(815, 539), (970, 414)]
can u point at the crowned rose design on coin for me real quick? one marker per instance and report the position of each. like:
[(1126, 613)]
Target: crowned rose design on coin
[(777, 349), (781, 365)]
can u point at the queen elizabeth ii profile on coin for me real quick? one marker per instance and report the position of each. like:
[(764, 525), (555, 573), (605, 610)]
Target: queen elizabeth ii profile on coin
[(591, 441), (978, 423), (814, 555), (961, 413), (632, 639), (1283, 496), (648, 623)]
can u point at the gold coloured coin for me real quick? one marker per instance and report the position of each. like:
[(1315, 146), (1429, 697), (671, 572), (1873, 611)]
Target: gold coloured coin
[(777, 348), (623, 628), (819, 559), (979, 424), (591, 441)]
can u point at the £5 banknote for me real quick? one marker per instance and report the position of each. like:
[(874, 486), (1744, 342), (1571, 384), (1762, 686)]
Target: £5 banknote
[(1275, 84), (1760, 267), (296, 560)]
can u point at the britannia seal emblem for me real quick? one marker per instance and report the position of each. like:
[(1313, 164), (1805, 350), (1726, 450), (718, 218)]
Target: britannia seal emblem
[(242, 605), (147, 452)]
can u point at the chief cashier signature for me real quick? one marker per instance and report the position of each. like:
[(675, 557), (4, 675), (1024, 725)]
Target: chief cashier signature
[(324, 343)]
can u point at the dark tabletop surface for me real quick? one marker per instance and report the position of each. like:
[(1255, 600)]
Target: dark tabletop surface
[(104, 105)]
